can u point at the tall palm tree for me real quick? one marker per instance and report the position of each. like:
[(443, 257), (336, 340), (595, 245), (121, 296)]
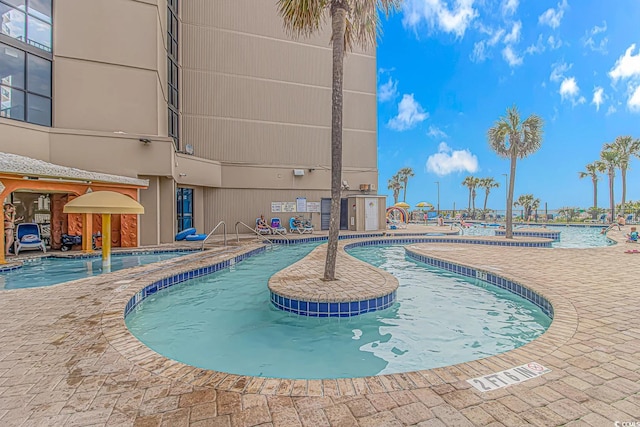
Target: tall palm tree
[(353, 23), (470, 182), (487, 184), (610, 161), (625, 147), (405, 174), (395, 185), (513, 139), (592, 170)]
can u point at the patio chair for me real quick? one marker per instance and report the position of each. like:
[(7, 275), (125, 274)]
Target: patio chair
[(301, 229), (28, 237), (277, 227), (262, 229)]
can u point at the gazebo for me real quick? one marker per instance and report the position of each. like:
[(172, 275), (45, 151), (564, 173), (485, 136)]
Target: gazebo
[(43, 189)]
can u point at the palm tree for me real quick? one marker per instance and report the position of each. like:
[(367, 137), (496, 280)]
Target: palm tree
[(625, 147), (592, 170), (395, 185), (470, 182), (404, 174), (353, 23), (610, 161), (513, 139), (487, 184), (528, 203)]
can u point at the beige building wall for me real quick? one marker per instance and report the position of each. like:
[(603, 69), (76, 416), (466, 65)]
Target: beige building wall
[(260, 104), (255, 105)]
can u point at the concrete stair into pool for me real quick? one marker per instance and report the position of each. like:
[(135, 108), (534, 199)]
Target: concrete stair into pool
[(360, 288)]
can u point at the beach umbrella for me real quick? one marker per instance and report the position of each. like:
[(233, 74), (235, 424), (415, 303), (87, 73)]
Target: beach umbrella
[(402, 205), (424, 205)]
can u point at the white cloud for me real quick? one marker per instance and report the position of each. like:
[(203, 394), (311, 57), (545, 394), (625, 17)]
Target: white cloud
[(509, 7), (436, 133), (479, 53), (626, 66), (558, 71), (552, 17), (536, 48), (495, 38), (569, 90), (388, 91), (438, 14), (598, 97), (447, 161), (590, 42), (410, 113), (514, 36), (554, 43), (611, 110), (634, 101), (511, 57)]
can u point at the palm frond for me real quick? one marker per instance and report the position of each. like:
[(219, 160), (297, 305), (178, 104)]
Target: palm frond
[(302, 17)]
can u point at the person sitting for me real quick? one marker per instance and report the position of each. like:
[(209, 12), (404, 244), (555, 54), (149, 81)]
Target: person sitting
[(633, 236), (261, 224), (440, 221)]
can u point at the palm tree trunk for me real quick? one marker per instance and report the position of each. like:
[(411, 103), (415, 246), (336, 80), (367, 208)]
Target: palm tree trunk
[(404, 197), (624, 187), (338, 25), (594, 214), (612, 203), (512, 181), (469, 200), (484, 207)]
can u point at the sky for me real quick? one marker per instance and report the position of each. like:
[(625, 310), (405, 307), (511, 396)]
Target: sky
[(449, 69)]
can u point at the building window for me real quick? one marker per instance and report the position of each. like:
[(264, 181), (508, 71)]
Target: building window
[(184, 198), (173, 72), (25, 86), (28, 21)]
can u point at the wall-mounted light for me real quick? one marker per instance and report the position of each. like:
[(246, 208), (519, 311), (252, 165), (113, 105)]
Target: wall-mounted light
[(298, 172), (182, 174), (145, 141)]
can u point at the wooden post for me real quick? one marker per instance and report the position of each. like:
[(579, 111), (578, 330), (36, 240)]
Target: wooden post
[(106, 243), (87, 232)]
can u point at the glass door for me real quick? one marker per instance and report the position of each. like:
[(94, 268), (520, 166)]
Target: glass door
[(184, 214)]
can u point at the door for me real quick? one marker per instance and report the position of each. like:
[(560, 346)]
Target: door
[(370, 214), (325, 214), (184, 214)]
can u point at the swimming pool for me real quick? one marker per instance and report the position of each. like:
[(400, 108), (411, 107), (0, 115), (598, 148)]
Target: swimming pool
[(224, 322), (49, 271), (570, 237)]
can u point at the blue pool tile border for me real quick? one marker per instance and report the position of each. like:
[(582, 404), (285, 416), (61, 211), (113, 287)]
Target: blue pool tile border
[(330, 308), (175, 279), (494, 279), (554, 235), (132, 252), (10, 268), (391, 240)]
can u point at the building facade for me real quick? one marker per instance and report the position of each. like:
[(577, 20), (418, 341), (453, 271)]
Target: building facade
[(212, 102)]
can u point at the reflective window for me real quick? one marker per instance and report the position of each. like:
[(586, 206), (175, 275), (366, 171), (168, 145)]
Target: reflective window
[(12, 22), (11, 103), (39, 110), (40, 9), (39, 34), (11, 66), (38, 75), (173, 71), (20, 4)]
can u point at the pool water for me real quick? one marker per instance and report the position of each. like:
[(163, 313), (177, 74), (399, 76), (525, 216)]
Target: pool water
[(570, 237), (51, 271), (225, 322)]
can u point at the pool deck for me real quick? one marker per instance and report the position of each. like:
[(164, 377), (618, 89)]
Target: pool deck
[(66, 358)]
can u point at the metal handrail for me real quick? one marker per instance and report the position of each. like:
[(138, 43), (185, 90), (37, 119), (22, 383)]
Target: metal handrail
[(224, 229), (253, 230), (279, 233)]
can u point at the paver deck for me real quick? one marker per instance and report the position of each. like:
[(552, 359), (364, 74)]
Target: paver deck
[(66, 358)]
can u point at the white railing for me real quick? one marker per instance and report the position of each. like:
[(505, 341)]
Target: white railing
[(224, 229)]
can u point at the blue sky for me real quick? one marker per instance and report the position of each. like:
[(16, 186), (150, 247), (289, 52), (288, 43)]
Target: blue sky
[(448, 69)]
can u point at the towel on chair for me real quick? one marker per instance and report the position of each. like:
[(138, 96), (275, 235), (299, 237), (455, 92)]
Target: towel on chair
[(29, 238)]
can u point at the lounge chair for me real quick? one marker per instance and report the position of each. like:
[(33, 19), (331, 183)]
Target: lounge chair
[(28, 237), (263, 229), (277, 227), (304, 228)]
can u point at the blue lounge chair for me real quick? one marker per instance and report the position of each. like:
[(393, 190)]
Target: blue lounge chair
[(277, 227), (28, 237), (302, 229)]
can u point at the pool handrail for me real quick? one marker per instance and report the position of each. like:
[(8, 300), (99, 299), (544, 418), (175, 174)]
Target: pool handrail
[(253, 230), (224, 230)]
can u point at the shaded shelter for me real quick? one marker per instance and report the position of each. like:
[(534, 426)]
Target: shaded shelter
[(105, 203)]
